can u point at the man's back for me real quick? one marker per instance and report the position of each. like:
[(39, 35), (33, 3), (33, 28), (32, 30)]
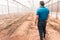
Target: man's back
[(42, 13)]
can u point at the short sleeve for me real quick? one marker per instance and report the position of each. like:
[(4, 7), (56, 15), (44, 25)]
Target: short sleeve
[(37, 12)]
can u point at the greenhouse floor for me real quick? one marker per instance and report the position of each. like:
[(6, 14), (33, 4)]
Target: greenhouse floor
[(22, 28)]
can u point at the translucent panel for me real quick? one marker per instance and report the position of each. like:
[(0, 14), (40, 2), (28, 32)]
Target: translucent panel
[(14, 6), (59, 7), (54, 7), (1, 10), (3, 2), (25, 2)]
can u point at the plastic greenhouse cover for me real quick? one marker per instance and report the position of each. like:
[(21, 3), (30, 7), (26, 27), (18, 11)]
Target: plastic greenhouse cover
[(13, 6)]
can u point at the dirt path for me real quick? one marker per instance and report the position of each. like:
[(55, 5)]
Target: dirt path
[(9, 30), (52, 34), (23, 29)]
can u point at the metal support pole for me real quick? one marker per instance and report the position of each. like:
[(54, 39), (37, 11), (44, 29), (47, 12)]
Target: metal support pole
[(57, 10), (17, 9), (51, 7), (8, 7), (33, 4), (2, 8), (48, 1)]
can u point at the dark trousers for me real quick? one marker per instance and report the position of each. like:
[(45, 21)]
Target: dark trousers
[(42, 29)]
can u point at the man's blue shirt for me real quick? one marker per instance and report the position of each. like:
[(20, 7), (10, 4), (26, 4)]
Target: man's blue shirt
[(42, 13)]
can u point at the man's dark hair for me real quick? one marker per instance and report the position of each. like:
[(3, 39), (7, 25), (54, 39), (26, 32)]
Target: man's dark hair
[(42, 3)]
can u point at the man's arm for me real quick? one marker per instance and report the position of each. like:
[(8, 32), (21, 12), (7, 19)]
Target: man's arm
[(36, 19), (48, 17)]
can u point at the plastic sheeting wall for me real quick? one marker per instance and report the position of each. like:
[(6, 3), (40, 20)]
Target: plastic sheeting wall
[(54, 6), (9, 6)]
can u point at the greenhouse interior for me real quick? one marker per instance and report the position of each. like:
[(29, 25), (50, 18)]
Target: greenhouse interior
[(18, 19)]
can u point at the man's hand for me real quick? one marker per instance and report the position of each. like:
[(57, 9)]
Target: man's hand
[(35, 20)]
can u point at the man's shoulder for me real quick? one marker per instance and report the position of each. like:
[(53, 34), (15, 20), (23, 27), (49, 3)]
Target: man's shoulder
[(38, 9), (46, 8)]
